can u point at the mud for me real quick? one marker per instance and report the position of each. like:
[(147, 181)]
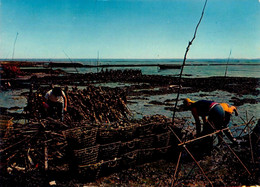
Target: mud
[(220, 166)]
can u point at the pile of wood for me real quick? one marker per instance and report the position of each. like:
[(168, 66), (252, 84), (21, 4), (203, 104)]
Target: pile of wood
[(92, 150), (100, 149), (98, 105), (96, 133), (92, 104)]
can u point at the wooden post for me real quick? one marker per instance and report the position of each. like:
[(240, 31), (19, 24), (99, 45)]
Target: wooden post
[(191, 156), (213, 126), (45, 156), (176, 169)]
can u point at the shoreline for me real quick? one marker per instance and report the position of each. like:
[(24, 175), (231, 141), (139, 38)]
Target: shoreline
[(81, 65), (138, 86), (153, 92), (239, 85)]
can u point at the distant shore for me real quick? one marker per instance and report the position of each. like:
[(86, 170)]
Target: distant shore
[(78, 64)]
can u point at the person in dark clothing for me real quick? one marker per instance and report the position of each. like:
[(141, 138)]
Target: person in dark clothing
[(229, 110), (212, 114)]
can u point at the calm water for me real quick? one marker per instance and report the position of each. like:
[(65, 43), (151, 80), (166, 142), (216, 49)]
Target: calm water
[(142, 106), (194, 68)]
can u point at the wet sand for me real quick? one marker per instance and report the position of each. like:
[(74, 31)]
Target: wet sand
[(150, 88)]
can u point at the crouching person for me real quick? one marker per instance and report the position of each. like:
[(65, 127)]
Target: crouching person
[(57, 102), (229, 110), (213, 116)]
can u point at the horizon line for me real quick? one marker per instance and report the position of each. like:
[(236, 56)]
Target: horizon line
[(13, 59)]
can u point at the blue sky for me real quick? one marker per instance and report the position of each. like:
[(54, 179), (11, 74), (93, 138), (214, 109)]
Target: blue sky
[(129, 28)]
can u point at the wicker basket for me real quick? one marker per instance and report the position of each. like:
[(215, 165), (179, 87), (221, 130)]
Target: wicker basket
[(160, 127), (87, 155), (146, 155), (162, 140), (81, 137), (129, 159), (129, 133), (89, 172), (146, 141), (110, 166), (129, 146), (162, 152), (144, 130), (108, 151), (108, 136)]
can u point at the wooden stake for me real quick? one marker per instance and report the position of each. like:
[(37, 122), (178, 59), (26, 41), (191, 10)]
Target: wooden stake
[(246, 126), (184, 59), (213, 126), (45, 156), (191, 156), (201, 137), (250, 143), (176, 169)]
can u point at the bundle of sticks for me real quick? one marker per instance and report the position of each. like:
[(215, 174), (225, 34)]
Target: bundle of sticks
[(93, 104)]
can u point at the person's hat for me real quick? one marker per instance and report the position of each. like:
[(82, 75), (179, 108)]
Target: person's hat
[(187, 101)]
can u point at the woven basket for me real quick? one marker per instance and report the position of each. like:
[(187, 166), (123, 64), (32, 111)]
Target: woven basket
[(89, 172), (81, 137), (87, 155), (129, 146), (160, 127), (129, 159), (108, 151), (110, 166), (146, 155), (146, 141), (144, 130), (162, 140), (108, 136), (129, 133), (162, 152)]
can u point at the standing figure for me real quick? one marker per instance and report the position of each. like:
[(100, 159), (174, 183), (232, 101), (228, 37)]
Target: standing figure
[(57, 102)]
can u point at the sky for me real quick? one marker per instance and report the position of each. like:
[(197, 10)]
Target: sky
[(125, 29)]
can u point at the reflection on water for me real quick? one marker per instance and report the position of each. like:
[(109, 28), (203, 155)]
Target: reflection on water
[(194, 68), (142, 107), (189, 71), (13, 99)]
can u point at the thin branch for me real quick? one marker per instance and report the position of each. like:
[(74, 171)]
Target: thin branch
[(185, 56), (184, 146), (249, 122), (251, 147), (176, 169), (14, 45), (218, 131), (183, 64), (227, 62), (213, 126), (71, 61)]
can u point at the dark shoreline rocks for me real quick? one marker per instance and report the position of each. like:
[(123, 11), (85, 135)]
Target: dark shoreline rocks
[(150, 85), (239, 85)]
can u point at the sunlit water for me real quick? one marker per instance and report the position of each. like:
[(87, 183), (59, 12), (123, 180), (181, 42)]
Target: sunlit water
[(13, 98), (205, 69), (194, 68), (142, 106)]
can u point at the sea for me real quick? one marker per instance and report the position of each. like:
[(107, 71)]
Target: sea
[(142, 106), (192, 68)]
